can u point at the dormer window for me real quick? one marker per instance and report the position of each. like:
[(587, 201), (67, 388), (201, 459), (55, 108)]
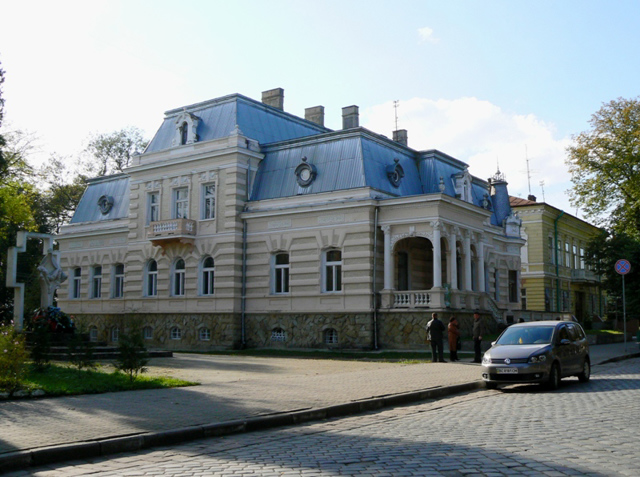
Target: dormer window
[(463, 184), (305, 173), (395, 173), (184, 133), (186, 125)]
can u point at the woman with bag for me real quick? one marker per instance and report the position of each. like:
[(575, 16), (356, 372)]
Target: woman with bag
[(454, 338)]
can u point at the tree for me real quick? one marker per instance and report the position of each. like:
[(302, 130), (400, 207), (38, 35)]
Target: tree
[(112, 152), (602, 253), (604, 163)]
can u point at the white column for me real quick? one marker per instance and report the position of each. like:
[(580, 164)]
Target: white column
[(453, 258), (481, 285), (388, 258), (437, 257), (467, 261)]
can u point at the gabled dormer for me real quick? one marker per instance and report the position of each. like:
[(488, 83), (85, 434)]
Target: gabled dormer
[(186, 129), (462, 183)]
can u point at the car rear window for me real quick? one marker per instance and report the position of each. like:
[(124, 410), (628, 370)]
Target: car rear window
[(526, 335)]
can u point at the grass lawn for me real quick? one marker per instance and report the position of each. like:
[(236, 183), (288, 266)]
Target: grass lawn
[(61, 380)]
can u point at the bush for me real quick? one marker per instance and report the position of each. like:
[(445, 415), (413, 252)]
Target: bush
[(13, 359), (132, 357), (80, 351)]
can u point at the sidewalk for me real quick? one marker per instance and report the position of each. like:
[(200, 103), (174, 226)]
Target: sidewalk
[(237, 394)]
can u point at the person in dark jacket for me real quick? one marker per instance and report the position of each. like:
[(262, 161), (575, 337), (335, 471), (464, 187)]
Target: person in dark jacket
[(454, 338), (435, 332), (477, 337)]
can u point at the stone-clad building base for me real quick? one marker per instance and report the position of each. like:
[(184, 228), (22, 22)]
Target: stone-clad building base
[(205, 332)]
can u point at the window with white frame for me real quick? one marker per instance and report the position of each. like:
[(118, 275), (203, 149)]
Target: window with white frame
[(552, 257), (208, 201), (153, 207), (176, 333), (204, 334), (207, 276), (181, 203), (332, 271), (567, 255), (281, 273), (575, 257), (93, 334), (77, 283), (118, 281), (523, 298), (115, 334), (178, 278), (330, 336), (581, 258), (151, 279), (147, 333), (559, 250), (96, 282)]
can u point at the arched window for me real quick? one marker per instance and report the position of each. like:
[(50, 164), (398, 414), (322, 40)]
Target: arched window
[(184, 133), (207, 276), (281, 273), (77, 282), (118, 281), (96, 282), (178, 278), (278, 334), (332, 271), (151, 279), (330, 336)]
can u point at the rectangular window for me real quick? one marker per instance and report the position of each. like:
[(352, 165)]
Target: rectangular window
[(208, 201), (581, 258), (566, 304), (559, 250), (181, 203), (281, 273), (552, 257), (513, 286), (333, 271), (575, 257), (496, 290), (153, 207), (118, 281), (96, 282), (548, 297), (75, 286), (523, 298), (567, 255)]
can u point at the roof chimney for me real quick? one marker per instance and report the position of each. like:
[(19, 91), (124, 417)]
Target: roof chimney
[(274, 97), (350, 117), (531, 197), (315, 115), (400, 136)]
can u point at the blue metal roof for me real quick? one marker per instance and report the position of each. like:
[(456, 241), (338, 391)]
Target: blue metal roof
[(116, 187), (219, 117)]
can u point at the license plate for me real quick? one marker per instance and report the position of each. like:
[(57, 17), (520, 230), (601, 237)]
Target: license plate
[(507, 370)]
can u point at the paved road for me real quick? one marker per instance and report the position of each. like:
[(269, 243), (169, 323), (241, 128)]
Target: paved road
[(581, 429)]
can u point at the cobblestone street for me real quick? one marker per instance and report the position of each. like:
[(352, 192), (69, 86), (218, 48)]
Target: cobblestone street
[(581, 429)]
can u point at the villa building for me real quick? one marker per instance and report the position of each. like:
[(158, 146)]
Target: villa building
[(244, 225)]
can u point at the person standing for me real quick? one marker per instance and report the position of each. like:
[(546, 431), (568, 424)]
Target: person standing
[(477, 337), (435, 330), (454, 337)]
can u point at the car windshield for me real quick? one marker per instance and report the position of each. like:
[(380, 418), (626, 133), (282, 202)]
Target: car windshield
[(526, 335)]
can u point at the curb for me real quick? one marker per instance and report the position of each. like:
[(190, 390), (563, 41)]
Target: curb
[(132, 443)]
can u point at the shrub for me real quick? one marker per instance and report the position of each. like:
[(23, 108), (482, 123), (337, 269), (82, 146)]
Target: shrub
[(13, 359), (80, 351), (132, 356)]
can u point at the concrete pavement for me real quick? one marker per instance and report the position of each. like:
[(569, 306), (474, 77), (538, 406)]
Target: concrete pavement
[(237, 394)]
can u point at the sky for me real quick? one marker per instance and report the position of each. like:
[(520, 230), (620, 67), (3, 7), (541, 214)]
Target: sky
[(492, 83)]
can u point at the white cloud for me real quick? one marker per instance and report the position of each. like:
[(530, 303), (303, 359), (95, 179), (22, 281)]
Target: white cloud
[(426, 34), (482, 135)]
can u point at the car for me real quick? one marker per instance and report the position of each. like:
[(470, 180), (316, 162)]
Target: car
[(537, 352)]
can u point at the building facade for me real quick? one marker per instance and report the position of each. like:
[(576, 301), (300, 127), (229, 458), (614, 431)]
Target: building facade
[(555, 278), (243, 225)]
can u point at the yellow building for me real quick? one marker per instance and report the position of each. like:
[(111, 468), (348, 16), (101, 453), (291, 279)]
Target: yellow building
[(555, 278)]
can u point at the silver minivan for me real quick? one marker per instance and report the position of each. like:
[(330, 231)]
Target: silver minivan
[(537, 352)]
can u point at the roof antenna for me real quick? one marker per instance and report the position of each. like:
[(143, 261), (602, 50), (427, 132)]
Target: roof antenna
[(542, 185), (396, 104), (526, 155)]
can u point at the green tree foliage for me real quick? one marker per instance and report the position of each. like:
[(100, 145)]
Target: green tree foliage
[(602, 253), (13, 359), (132, 353), (111, 153), (604, 163)]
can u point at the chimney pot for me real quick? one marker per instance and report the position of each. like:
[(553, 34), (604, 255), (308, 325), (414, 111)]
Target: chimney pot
[(315, 115), (350, 117), (274, 97), (400, 136)]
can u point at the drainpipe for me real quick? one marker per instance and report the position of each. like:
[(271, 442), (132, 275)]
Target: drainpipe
[(243, 298), (373, 284), (555, 233)]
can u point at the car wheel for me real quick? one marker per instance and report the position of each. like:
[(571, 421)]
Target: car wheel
[(554, 377), (490, 385), (584, 376)]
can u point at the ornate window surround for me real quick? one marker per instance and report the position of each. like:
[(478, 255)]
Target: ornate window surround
[(191, 122)]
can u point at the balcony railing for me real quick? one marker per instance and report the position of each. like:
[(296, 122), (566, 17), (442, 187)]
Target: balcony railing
[(584, 276), (411, 299), (165, 231)]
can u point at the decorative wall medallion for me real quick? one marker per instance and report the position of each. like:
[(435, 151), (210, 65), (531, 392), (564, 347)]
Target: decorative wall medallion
[(105, 203), (305, 173)]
